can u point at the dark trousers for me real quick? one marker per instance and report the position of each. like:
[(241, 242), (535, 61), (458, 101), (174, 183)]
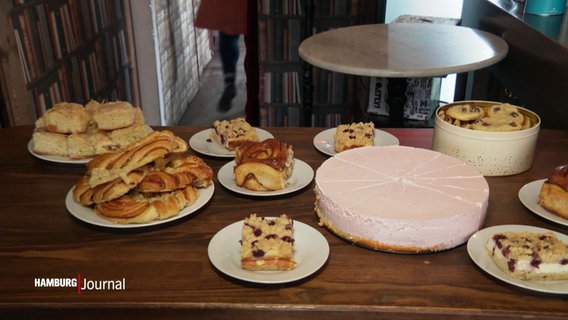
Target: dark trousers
[(229, 50)]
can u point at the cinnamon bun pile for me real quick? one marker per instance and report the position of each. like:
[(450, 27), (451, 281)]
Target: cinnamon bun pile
[(151, 179)]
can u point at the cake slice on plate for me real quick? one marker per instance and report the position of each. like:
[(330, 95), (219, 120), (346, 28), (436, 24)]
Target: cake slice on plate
[(530, 256), (354, 135), (267, 244), (230, 134)]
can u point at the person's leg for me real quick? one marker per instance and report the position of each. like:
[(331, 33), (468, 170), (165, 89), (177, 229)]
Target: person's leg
[(229, 50)]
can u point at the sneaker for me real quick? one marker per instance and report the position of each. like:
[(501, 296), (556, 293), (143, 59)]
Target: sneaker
[(228, 94)]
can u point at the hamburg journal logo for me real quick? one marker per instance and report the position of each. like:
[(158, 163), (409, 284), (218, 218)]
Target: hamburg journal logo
[(81, 284)]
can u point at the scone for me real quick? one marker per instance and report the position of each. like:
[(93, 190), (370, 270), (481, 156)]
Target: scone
[(354, 135), (65, 117), (231, 134), (263, 166), (529, 256), (267, 244), (50, 143), (554, 192), (114, 115), (122, 137)]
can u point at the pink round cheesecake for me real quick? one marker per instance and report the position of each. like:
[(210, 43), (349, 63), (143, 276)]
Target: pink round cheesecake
[(400, 199)]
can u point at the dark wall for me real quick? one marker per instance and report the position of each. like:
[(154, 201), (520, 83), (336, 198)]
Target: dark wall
[(535, 72)]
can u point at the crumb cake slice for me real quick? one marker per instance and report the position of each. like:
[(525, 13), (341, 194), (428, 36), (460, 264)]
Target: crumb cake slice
[(267, 244), (230, 134), (354, 135), (530, 256)]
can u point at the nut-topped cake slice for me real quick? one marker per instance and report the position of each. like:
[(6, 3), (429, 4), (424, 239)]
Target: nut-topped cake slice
[(267, 244), (530, 256), (354, 135), (230, 134)]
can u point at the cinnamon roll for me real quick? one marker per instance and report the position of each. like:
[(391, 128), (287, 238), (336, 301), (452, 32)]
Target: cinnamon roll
[(263, 166)]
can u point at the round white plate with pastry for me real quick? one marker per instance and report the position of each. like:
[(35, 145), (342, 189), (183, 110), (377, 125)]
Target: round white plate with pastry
[(476, 247), (57, 159), (311, 251), (202, 143), (88, 215), (66, 159), (302, 175), (528, 195), (323, 141)]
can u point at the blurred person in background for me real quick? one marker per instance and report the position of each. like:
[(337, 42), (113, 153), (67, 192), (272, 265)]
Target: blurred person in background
[(229, 17)]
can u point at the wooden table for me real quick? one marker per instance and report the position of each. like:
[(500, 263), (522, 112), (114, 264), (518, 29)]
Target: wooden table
[(402, 50), (167, 272)]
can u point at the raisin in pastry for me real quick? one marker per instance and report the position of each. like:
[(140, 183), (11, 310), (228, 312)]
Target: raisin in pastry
[(267, 243), (530, 256), (354, 135)]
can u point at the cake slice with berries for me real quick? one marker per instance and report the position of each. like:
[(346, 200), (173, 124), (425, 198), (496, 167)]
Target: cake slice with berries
[(353, 135), (230, 134), (267, 243), (530, 256)]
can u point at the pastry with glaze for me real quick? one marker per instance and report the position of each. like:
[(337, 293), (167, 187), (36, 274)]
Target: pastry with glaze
[(263, 166), (554, 192)]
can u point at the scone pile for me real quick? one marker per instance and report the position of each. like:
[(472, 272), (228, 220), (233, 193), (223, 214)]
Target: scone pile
[(263, 166), (150, 179), (354, 135), (71, 130), (267, 244), (229, 134), (553, 194), (498, 118), (530, 256)]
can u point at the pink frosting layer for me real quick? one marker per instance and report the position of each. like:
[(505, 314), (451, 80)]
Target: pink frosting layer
[(402, 196)]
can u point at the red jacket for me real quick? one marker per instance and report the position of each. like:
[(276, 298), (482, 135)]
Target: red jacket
[(228, 16)]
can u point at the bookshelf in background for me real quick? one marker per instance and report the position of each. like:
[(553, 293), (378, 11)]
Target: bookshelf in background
[(334, 95), (72, 50), (280, 68), (281, 28)]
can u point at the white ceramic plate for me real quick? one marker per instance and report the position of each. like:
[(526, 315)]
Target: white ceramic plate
[(479, 255), (528, 195), (311, 251), (202, 143), (87, 214), (58, 159), (302, 175), (323, 141), (61, 159)]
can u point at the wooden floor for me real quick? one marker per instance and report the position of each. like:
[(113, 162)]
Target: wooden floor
[(203, 110)]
